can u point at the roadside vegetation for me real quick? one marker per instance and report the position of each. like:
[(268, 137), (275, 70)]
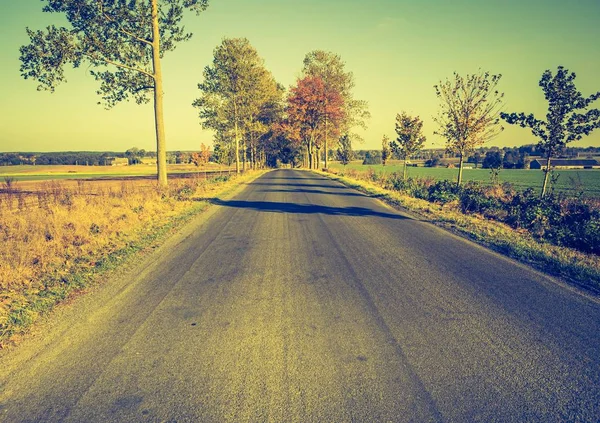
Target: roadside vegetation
[(567, 181), (557, 234), (63, 241)]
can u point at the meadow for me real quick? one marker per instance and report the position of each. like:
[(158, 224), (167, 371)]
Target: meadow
[(569, 180)]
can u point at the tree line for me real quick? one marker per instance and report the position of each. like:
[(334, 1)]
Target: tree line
[(256, 123)]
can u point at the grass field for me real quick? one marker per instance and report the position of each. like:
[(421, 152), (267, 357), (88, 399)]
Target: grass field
[(520, 178), (48, 172)]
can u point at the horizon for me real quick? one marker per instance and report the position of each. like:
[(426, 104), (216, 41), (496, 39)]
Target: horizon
[(519, 40)]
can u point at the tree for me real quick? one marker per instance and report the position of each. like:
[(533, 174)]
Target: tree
[(123, 41), (134, 155), (235, 92), (564, 123), (309, 104), (492, 160), (470, 113), (344, 151), (331, 69), (385, 149), (410, 137), (202, 157)]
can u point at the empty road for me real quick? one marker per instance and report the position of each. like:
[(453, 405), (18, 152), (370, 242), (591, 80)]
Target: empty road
[(300, 300)]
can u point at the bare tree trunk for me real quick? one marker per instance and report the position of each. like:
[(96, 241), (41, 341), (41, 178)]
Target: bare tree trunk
[(546, 175), (460, 170), (244, 156), (161, 149), (310, 153), (318, 164), (237, 139), (326, 166), (404, 171)]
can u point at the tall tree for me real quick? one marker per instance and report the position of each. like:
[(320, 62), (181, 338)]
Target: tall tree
[(470, 113), (385, 149), (309, 103), (235, 90), (568, 119), (331, 69), (410, 137), (123, 41)]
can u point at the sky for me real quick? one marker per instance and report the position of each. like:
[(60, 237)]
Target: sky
[(397, 50)]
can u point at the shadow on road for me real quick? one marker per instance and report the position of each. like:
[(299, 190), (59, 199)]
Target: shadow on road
[(315, 191), (277, 184), (278, 207)]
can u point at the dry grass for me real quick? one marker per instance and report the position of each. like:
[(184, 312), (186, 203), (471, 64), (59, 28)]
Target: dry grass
[(55, 242)]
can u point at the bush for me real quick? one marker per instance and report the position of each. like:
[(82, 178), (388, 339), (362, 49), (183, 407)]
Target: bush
[(443, 192)]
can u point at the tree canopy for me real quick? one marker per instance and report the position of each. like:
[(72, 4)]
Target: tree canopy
[(470, 112), (568, 119), (121, 41), (239, 96), (410, 137)]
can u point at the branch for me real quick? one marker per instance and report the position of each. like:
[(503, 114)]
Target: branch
[(120, 65), (124, 31)]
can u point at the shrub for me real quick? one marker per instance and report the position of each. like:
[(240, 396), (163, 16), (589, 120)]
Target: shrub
[(443, 192)]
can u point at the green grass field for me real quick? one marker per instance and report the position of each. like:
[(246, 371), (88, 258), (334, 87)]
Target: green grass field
[(567, 181)]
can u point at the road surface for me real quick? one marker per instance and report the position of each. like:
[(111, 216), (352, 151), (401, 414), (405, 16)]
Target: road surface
[(300, 300)]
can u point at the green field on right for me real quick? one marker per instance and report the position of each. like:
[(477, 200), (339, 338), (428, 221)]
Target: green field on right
[(569, 181)]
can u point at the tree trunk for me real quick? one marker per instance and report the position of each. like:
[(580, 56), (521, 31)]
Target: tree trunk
[(460, 170), (237, 139), (318, 164), (546, 175), (310, 153), (245, 153), (161, 149), (326, 142), (404, 171)]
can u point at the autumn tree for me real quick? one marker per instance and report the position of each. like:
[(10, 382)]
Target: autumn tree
[(470, 113), (235, 92), (202, 157), (568, 119), (332, 70), (410, 137), (385, 149), (121, 41), (308, 105)]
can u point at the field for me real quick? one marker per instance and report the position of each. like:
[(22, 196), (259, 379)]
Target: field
[(35, 173), (56, 235), (569, 181)]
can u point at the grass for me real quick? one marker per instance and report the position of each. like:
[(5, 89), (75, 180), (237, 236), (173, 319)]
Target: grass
[(579, 269), (568, 179), (60, 246)]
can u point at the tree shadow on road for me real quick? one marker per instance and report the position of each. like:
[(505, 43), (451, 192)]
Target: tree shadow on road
[(276, 184), (315, 191), (296, 208)]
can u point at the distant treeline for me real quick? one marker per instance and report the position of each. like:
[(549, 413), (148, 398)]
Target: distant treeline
[(487, 157), (88, 158)]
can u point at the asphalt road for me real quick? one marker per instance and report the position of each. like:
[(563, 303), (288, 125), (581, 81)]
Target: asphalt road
[(301, 300)]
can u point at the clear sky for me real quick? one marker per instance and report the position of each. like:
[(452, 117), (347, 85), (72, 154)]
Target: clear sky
[(397, 49)]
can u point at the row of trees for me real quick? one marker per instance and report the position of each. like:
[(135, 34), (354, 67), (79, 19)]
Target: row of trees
[(471, 113), (123, 42), (254, 121)]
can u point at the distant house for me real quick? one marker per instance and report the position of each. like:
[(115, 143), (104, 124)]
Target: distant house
[(566, 164), (116, 161), (148, 160)]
